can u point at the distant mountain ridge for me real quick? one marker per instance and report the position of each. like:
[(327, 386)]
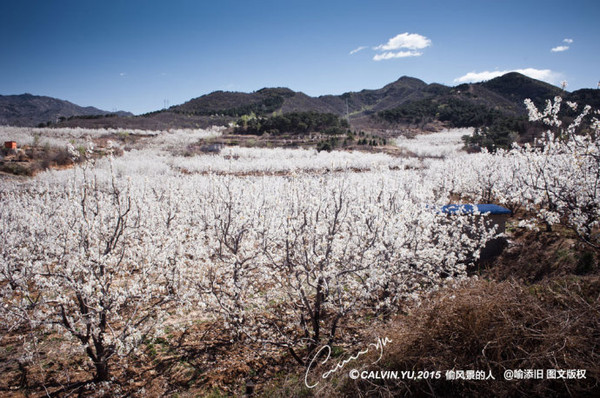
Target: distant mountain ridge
[(364, 109), (268, 100), (506, 93), (31, 110)]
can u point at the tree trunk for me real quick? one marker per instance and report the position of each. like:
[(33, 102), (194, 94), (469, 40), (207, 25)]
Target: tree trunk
[(102, 373)]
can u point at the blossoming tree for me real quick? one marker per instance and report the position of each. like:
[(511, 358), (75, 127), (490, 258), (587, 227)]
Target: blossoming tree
[(90, 259)]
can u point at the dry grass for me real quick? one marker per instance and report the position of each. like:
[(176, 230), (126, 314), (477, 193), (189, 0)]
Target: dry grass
[(536, 256), (31, 160), (493, 326)]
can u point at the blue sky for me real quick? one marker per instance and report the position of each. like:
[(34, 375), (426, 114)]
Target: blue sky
[(135, 55)]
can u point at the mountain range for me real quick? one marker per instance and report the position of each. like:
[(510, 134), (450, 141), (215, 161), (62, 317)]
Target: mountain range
[(31, 110), (504, 94)]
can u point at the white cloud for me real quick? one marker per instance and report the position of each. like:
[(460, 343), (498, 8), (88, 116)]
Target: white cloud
[(568, 41), (540, 74), (559, 49), (398, 54), (402, 46), (122, 74), (357, 49), (409, 41), (479, 76)]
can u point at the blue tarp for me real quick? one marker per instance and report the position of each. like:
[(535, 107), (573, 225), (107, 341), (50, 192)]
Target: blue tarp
[(467, 209)]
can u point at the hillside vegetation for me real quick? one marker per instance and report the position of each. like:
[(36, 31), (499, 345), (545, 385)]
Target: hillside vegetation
[(32, 110), (405, 103)]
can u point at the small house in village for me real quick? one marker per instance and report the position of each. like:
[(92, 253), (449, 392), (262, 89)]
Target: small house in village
[(494, 215), (10, 145)]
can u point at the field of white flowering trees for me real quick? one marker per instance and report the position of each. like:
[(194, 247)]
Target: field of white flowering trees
[(289, 249)]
